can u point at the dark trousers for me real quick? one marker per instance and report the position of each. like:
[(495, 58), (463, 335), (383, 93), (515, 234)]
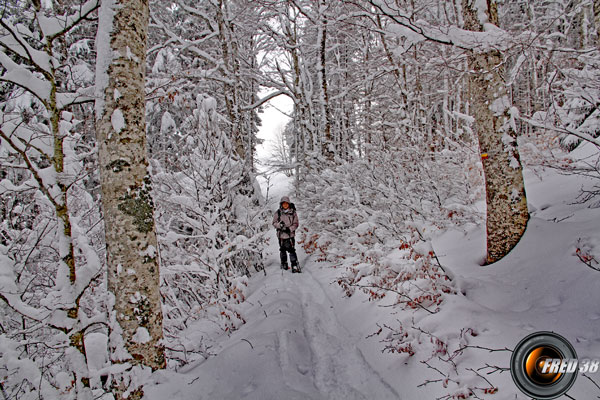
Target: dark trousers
[(288, 246)]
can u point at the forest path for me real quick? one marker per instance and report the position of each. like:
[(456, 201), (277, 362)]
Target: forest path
[(292, 347), (339, 369)]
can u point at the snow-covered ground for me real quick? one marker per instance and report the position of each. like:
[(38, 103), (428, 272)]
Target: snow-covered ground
[(293, 347), (305, 340)]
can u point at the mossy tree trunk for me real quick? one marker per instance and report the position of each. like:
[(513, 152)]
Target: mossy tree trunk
[(507, 213), (133, 270)]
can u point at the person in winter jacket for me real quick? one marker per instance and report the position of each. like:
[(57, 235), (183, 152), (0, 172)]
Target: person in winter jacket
[(285, 222)]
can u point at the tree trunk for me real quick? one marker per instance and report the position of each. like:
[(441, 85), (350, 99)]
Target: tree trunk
[(507, 213), (597, 20), (327, 142), (133, 270), (230, 69)]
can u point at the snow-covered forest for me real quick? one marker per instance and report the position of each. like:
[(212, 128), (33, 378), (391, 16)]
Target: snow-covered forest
[(443, 156)]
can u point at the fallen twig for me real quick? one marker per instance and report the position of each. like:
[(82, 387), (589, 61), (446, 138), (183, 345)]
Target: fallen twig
[(404, 295), (247, 341)]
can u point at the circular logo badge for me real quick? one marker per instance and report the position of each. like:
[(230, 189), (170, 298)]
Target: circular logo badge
[(542, 365)]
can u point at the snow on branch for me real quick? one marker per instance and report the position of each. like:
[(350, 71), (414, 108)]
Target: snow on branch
[(12, 296), (561, 129), (53, 27), (187, 45), (66, 100), (18, 75), (420, 30), (43, 181), (199, 13), (13, 42), (263, 100)]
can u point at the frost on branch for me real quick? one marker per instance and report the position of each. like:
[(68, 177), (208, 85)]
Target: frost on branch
[(51, 239), (369, 220), (210, 228)]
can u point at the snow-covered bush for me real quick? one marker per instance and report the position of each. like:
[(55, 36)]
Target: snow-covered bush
[(373, 217), (210, 227)]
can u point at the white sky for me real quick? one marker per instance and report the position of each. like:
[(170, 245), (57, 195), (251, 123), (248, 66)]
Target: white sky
[(272, 121)]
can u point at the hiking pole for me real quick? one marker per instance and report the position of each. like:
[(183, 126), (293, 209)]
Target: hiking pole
[(279, 241)]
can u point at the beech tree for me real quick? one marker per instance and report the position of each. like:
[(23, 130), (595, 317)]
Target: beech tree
[(490, 103), (133, 268), (597, 20), (507, 213)]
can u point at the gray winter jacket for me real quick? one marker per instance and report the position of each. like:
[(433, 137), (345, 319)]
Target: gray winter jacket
[(289, 218)]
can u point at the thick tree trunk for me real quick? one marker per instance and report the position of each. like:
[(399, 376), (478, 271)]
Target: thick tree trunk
[(133, 270), (507, 213), (597, 20)]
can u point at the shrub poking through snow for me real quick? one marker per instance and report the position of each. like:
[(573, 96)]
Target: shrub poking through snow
[(444, 356), (408, 274), (586, 251)]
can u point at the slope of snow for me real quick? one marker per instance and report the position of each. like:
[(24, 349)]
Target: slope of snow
[(539, 286), (305, 340)]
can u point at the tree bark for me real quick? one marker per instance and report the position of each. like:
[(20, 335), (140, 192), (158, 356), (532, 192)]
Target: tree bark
[(597, 20), (133, 269), (231, 71), (327, 143), (507, 213)]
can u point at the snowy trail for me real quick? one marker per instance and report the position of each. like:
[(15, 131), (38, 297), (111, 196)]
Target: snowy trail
[(339, 367), (293, 347)]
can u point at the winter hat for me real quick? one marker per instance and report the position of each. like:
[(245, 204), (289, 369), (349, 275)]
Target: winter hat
[(285, 199)]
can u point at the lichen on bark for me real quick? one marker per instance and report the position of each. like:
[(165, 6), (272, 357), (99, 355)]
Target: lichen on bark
[(143, 312), (118, 165), (126, 193), (138, 204)]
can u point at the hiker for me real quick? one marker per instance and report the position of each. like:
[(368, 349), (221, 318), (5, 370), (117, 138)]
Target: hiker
[(285, 221)]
